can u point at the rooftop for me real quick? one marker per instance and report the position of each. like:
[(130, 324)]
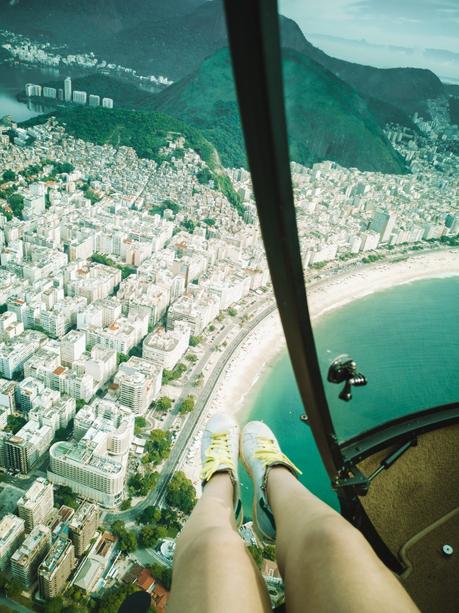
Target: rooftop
[(57, 551)]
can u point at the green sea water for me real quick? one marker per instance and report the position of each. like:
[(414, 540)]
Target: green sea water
[(404, 339)]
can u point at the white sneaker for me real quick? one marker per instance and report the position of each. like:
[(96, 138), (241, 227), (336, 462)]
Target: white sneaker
[(260, 451), (220, 453)]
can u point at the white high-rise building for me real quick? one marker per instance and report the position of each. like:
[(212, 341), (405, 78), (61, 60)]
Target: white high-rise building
[(11, 536), (26, 560), (55, 569), (87, 470), (79, 97), (49, 92), (23, 449), (68, 89), (139, 383), (33, 90), (105, 416), (383, 222), (73, 344), (37, 503), (94, 100), (166, 348)]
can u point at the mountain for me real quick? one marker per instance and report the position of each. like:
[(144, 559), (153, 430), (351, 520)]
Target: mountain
[(87, 24), (173, 37), (327, 119)]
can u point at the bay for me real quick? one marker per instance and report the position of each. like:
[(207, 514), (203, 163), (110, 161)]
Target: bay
[(405, 340)]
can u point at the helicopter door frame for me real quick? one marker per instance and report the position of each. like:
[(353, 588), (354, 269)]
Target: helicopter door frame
[(254, 37)]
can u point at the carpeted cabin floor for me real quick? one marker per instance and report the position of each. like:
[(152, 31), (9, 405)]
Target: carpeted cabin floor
[(415, 508)]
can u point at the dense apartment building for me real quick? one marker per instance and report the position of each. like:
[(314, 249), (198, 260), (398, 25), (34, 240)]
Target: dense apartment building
[(27, 558), (166, 348), (11, 536), (36, 504), (21, 451), (83, 526), (55, 569), (85, 468), (139, 383)]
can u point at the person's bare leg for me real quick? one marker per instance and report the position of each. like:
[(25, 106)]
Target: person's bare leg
[(213, 571), (327, 565)]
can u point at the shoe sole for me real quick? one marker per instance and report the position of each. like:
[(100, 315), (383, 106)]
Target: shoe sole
[(260, 533)]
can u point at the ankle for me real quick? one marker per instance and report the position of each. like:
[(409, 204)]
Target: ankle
[(220, 485)]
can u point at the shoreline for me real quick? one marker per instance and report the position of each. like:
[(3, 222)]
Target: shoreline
[(246, 371)]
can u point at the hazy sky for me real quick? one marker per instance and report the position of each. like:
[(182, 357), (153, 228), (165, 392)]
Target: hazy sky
[(422, 33)]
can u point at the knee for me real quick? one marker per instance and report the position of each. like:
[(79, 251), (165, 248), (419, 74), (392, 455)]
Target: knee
[(332, 534), (208, 540)]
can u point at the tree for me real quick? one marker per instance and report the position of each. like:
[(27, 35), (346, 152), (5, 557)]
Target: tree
[(176, 373), (54, 605), (14, 423), (16, 202), (111, 600), (269, 552), (140, 485), (158, 446), (209, 221), (61, 434), (136, 351), (140, 421), (232, 312), (195, 340), (12, 587), (150, 514), (63, 167), (9, 175), (65, 495), (121, 357), (204, 176), (256, 554), (172, 205), (187, 405), (148, 536), (79, 404), (169, 519), (127, 540), (192, 357), (162, 573), (180, 493), (126, 504), (164, 403), (189, 225)]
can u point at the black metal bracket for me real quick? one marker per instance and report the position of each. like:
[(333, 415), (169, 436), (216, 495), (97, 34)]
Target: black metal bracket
[(360, 482)]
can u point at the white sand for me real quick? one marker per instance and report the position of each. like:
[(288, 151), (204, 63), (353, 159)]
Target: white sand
[(266, 342)]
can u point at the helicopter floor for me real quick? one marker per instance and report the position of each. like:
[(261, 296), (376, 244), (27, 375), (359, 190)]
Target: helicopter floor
[(413, 507), (426, 563)]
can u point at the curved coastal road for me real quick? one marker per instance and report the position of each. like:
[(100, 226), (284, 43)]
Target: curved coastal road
[(193, 422)]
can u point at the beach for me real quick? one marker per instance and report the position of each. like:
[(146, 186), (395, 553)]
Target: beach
[(245, 370)]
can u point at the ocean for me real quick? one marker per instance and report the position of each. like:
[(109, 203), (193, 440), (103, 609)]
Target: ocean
[(405, 340)]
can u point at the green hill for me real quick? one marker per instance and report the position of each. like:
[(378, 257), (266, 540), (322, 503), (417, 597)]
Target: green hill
[(145, 131), (327, 119)]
